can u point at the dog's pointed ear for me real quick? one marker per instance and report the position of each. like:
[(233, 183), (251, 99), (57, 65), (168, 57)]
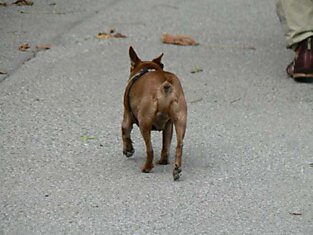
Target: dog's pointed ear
[(134, 59), (158, 61)]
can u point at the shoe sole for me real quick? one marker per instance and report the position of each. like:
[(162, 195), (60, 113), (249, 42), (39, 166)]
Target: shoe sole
[(303, 77)]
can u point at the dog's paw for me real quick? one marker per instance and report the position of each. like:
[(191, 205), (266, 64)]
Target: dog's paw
[(129, 153), (146, 169), (163, 162), (176, 173)]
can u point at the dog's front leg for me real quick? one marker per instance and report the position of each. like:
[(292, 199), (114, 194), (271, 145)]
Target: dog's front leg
[(146, 134), (127, 126)]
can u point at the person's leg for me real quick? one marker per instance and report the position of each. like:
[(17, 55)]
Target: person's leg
[(296, 17)]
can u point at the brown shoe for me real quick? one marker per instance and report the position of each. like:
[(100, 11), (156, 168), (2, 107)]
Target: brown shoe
[(301, 68)]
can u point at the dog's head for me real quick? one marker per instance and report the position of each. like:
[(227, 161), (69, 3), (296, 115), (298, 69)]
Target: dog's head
[(136, 64)]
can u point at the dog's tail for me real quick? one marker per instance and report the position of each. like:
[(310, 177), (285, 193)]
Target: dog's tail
[(166, 88)]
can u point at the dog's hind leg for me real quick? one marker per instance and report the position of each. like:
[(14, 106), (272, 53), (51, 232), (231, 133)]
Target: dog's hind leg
[(127, 126), (146, 134), (180, 127), (167, 139)]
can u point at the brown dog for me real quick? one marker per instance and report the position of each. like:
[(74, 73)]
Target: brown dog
[(154, 100)]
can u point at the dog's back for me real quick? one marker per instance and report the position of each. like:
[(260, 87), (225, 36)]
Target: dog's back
[(157, 95)]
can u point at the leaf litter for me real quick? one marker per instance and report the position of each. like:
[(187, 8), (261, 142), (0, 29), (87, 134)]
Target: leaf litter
[(196, 69), (39, 47), (23, 3), (112, 34), (24, 47), (87, 137), (295, 213), (179, 39)]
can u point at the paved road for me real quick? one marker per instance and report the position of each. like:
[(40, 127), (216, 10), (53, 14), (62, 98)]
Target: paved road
[(248, 147)]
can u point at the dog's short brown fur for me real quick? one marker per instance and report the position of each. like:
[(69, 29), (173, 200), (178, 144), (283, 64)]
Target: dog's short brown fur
[(155, 101)]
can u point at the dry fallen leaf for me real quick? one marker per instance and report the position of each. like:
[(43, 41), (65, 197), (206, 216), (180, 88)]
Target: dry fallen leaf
[(181, 40), (196, 69), (43, 47), (119, 35), (295, 213), (24, 47), (23, 3), (86, 137), (112, 34), (103, 36)]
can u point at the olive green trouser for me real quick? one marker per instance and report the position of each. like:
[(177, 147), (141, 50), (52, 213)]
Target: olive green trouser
[(296, 17)]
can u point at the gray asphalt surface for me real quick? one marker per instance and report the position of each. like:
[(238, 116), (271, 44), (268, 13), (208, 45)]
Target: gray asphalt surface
[(248, 147)]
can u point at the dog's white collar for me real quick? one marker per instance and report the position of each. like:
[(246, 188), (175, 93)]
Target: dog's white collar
[(139, 74)]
